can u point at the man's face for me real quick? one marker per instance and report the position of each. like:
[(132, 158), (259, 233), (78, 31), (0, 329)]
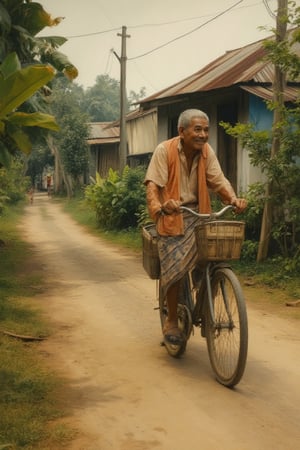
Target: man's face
[(195, 135)]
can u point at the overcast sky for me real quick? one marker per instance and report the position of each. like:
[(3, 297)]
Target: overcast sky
[(151, 25)]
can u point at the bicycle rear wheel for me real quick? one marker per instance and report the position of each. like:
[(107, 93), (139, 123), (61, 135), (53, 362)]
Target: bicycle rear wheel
[(227, 334)]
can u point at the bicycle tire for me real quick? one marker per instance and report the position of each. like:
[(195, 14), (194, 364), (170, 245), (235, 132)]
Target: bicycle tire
[(227, 338), (184, 324)]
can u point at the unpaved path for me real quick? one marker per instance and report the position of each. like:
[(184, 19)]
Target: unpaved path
[(126, 393)]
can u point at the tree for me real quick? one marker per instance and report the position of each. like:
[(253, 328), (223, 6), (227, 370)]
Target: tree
[(278, 88), (69, 146), (39, 158), (102, 101), (135, 97)]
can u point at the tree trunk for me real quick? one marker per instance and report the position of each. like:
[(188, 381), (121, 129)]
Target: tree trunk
[(278, 89), (59, 172)]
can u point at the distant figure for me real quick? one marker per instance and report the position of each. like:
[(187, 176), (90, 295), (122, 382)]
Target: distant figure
[(30, 194), (49, 185)]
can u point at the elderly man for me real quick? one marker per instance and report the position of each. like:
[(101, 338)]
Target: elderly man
[(181, 171)]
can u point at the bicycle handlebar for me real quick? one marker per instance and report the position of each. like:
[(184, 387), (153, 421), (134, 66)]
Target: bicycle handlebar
[(214, 215)]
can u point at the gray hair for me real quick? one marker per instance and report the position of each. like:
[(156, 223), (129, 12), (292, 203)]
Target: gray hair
[(186, 117)]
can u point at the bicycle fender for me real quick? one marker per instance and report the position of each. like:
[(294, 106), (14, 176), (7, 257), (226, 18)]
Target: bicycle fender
[(221, 265)]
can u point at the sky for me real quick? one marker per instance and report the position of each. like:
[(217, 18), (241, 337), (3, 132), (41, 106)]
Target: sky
[(169, 39)]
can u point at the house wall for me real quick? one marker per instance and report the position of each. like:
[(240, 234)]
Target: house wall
[(92, 162), (106, 156), (142, 134), (259, 115), (252, 110)]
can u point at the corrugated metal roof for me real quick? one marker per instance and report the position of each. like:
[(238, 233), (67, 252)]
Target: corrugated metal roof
[(137, 113), (245, 65), (290, 93), (103, 141), (103, 133)]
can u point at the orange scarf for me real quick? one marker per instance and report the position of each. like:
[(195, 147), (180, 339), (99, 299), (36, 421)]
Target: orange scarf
[(172, 225)]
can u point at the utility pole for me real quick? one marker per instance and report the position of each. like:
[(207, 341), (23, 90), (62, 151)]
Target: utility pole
[(123, 135)]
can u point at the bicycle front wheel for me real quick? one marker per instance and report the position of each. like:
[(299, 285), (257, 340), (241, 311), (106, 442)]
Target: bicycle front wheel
[(227, 328)]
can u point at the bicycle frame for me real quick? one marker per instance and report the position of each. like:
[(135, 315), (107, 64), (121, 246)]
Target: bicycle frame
[(201, 298)]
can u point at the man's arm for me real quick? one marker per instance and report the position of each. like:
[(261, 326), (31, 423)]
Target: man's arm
[(153, 200)]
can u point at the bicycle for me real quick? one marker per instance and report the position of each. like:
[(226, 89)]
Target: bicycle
[(211, 298)]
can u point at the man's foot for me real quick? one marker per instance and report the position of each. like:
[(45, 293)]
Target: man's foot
[(172, 334)]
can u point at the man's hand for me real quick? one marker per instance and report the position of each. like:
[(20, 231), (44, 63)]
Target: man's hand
[(240, 204), (171, 206)]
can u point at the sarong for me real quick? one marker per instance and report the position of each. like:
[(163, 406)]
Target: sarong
[(177, 254)]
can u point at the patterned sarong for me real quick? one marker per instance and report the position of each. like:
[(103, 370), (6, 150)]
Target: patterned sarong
[(177, 254)]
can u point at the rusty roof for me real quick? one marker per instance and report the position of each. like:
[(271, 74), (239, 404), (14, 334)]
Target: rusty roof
[(103, 133), (289, 95), (242, 66)]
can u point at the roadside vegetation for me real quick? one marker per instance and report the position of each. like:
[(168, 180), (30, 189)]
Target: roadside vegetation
[(31, 413)]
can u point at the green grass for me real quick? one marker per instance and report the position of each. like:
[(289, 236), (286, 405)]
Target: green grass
[(30, 410), (271, 274)]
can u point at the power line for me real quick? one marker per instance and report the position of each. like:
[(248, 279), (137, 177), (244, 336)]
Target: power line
[(109, 62), (93, 34), (161, 23), (188, 19), (270, 12), (188, 33)]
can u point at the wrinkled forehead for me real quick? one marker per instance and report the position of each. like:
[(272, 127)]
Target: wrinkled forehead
[(198, 122)]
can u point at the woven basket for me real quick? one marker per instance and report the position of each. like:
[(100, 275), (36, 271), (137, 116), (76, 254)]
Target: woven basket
[(219, 240), (151, 261)]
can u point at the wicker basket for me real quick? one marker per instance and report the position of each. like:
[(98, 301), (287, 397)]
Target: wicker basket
[(151, 261), (219, 240)]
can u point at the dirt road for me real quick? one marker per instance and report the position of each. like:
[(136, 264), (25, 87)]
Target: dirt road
[(126, 393)]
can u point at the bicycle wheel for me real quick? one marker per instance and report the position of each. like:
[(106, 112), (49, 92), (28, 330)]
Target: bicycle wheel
[(227, 334), (184, 324)]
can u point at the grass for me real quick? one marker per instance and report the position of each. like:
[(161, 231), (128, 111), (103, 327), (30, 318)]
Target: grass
[(271, 274), (30, 409)]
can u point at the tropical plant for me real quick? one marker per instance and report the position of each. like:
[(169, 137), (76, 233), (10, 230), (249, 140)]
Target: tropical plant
[(17, 85), (119, 201), (13, 184), (29, 62), (20, 23)]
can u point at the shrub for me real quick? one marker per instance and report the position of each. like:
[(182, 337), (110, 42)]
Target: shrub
[(119, 201)]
